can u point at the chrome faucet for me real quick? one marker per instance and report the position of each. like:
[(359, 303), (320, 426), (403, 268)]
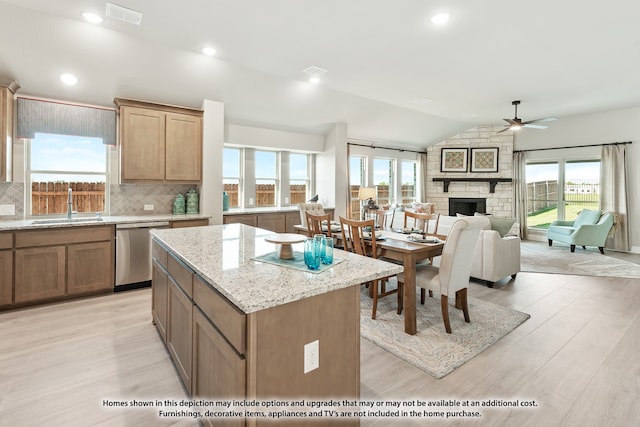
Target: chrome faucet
[(69, 204)]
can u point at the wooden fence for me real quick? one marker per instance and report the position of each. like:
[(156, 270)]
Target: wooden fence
[(51, 197), (266, 194)]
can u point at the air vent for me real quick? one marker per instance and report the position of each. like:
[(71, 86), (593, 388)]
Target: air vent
[(123, 14), (314, 71)]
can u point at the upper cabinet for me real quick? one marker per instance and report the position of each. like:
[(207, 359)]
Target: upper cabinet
[(8, 88), (159, 143)]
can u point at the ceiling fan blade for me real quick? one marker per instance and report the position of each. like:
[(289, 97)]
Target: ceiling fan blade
[(546, 119), (510, 121), (505, 129), (529, 125)]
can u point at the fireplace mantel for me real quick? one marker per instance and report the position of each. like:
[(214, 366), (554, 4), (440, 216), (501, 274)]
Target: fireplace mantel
[(492, 182)]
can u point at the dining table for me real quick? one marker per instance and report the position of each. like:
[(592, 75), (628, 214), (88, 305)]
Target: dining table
[(397, 245)]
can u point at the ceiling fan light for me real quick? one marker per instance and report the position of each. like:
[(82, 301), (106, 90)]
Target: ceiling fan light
[(515, 127)]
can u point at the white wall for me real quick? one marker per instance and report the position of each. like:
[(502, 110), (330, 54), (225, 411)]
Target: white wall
[(249, 136), (590, 129), (331, 171), (212, 144)]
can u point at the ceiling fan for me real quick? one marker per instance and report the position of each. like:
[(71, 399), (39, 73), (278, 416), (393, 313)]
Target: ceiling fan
[(517, 123)]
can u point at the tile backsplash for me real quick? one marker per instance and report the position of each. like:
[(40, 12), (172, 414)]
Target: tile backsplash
[(125, 199), (129, 199)]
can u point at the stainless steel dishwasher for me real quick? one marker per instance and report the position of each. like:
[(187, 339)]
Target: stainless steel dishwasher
[(133, 254)]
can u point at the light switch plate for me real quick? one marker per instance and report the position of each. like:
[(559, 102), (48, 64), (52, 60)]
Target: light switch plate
[(148, 207), (311, 356)]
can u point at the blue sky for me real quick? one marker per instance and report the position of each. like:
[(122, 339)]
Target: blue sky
[(573, 171), (68, 153)]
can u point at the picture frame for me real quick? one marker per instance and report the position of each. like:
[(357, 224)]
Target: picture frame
[(453, 160), (484, 159)]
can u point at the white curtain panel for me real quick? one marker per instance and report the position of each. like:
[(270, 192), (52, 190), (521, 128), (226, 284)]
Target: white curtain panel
[(520, 191), (613, 194)]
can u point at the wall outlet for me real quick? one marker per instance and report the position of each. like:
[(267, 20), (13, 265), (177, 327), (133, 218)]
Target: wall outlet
[(311, 356), (250, 201), (7, 209), (286, 200), (148, 207)]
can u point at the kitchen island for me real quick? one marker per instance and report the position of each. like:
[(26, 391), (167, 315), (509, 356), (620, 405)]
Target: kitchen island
[(244, 329)]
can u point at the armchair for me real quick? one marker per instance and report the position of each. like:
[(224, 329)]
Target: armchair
[(590, 228)]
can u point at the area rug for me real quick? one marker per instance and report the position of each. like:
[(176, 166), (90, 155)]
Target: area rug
[(432, 349), (557, 259)]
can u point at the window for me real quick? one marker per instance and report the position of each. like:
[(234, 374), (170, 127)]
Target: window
[(298, 178), (231, 168), (356, 180), (409, 181), (383, 173), (59, 162), (559, 190), (266, 178)]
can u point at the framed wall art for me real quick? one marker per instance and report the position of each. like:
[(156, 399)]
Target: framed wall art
[(484, 159), (453, 160)]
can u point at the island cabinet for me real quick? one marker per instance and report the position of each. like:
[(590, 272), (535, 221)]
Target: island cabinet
[(61, 262), (278, 222), (159, 143), (6, 268), (241, 329)]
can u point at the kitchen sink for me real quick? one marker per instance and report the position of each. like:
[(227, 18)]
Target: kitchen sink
[(64, 220)]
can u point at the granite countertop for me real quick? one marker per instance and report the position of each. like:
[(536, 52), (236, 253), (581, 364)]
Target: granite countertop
[(106, 220), (222, 256)]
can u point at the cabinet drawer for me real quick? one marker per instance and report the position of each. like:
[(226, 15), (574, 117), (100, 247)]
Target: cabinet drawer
[(189, 223), (65, 235), (6, 240), (159, 253), (224, 315), (181, 274)]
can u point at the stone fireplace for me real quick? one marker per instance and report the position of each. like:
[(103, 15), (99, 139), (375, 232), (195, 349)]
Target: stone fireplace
[(466, 206)]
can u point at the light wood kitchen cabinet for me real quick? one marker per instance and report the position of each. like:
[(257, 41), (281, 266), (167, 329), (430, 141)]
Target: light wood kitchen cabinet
[(159, 293), (40, 273), (219, 373), (159, 143), (6, 268), (274, 222), (179, 327), (189, 223), (251, 220), (90, 267), (278, 222), (63, 262), (8, 88)]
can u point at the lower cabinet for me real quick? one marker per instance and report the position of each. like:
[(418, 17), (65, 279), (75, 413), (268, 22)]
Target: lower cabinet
[(159, 292), (218, 371), (6, 268), (179, 327), (90, 267), (40, 273)]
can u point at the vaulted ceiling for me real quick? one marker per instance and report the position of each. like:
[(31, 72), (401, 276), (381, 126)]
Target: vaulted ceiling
[(393, 76)]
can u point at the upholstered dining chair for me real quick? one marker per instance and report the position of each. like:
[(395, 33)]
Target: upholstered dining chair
[(314, 224), (353, 239), (452, 277), (421, 220), (314, 208)]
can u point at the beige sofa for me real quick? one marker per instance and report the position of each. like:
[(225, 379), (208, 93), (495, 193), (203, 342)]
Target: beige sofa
[(495, 257)]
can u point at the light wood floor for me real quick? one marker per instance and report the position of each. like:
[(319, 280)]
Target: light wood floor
[(578, 357)]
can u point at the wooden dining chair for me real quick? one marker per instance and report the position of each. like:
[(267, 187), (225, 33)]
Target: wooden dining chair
[(452, 277), (353, 240), (314, 224), (421, 221)]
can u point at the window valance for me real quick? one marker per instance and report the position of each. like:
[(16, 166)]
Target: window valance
[(40, 116)]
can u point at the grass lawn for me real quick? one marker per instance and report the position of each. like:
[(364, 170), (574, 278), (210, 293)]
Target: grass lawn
[(542, 219)]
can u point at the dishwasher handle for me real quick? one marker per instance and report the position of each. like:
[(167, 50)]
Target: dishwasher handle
[(163, 224)]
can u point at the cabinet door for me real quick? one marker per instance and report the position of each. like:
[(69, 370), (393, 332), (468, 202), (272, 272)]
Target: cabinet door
[(183, 147), (219, 373), (159, 289), (40, 273), (251, 220), (179, 327), (272, 222), (89, 267), (142, 140), (6, 277)]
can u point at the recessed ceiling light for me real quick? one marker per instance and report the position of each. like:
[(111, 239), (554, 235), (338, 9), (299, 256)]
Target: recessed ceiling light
[(314, 73), (440, 18), (315, 80), (92, 18), (68, 79), (209, 51)]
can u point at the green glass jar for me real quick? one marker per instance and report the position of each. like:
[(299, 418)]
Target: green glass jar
[(178, 205), (192, 201)]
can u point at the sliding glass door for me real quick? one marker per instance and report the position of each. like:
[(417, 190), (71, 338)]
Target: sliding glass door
[(559, 190)]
